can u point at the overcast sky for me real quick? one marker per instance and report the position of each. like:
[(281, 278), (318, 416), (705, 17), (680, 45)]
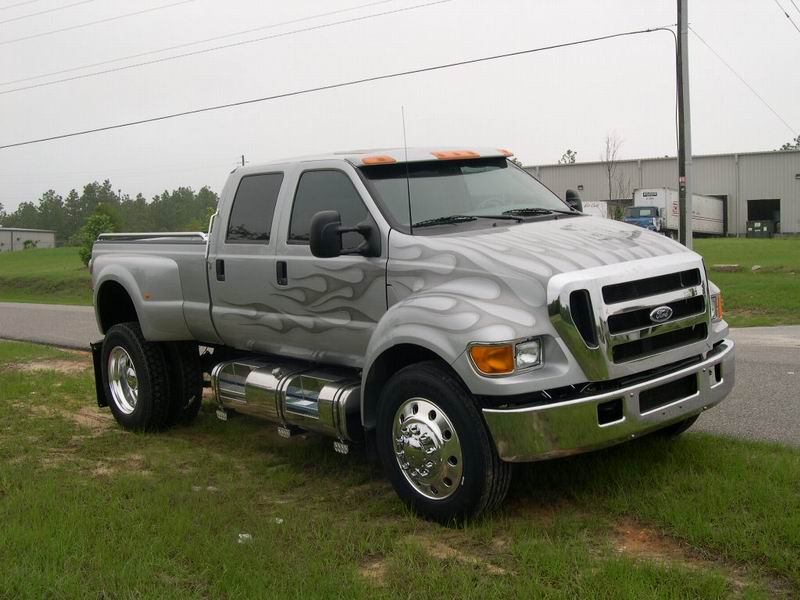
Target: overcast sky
[(537, 105)]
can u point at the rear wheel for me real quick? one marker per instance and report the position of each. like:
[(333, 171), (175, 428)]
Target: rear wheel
[(435, 447), (186, 381), (135, 378)]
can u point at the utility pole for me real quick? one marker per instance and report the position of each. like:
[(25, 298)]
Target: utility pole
[(242, 159), (684, 129)]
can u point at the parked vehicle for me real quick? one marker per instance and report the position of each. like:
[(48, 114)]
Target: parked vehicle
[(657, 209), (442, 307)]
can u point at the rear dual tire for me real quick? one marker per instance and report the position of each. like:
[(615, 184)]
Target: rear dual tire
[(149, 385)]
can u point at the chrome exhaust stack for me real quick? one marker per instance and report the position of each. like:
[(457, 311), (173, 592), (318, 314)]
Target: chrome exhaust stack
[(292, 394)]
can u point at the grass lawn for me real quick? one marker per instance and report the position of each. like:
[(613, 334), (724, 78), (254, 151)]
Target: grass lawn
[(46, 275), (87, 510), (769, 296)]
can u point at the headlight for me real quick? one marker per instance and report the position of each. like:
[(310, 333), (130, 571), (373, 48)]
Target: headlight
[(528, 354), (716, 307), (506, 358)]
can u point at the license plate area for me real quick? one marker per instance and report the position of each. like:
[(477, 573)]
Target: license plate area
[(679, 389)]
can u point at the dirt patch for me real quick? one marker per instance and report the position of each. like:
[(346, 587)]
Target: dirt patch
[(93, 419), (375, 571), (438, 548), (645, 543), (52, 364)]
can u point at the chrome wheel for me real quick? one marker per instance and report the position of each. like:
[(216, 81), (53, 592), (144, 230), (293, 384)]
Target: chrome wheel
[(427, 448), (122, 380)]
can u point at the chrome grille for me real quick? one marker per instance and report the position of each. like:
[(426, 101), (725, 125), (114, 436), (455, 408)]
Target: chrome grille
[(619, 337)]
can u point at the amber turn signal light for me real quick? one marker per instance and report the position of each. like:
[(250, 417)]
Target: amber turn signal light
[(493, 360)]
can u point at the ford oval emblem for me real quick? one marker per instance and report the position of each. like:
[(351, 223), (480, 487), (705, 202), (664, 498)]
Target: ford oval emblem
[(660, 314)]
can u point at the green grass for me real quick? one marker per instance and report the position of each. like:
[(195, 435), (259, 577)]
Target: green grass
[(87, 510), (50, 276), (769, 296)]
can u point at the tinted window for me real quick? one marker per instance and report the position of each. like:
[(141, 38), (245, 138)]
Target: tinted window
[(326, 190), (253, 208)]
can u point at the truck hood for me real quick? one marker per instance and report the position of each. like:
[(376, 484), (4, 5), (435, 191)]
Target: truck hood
[(539, 249), (491, 284)]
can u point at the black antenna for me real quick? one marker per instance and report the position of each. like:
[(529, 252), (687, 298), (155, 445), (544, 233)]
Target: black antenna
[(408, 181)]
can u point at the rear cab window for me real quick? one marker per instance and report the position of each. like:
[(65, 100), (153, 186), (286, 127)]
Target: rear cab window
[(253, 209)]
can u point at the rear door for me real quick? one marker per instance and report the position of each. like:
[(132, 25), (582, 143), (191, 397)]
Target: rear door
[(242, 267), (329, 307)]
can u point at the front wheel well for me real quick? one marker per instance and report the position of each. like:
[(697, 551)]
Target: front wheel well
[(114, 306), (387, 364)]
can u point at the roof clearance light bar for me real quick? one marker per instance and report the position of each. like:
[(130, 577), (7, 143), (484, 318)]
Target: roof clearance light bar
[(455, 155), (378, 160)]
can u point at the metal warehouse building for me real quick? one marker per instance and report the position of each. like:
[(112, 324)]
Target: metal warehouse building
[(754, 185), (12, 239)]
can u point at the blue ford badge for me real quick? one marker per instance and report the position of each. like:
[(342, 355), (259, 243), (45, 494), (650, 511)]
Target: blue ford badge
[(660, 314)]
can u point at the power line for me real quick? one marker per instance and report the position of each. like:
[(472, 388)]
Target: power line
[(788, 16), (44, 12), (332, 86), (203, 41), (99, 21), (222, 47), (795, 6), (18, 4), (742, 79)]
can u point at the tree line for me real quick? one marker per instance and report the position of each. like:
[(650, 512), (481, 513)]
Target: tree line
[(181, 209)]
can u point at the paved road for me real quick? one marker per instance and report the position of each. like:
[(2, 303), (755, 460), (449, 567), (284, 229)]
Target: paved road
[(764, 405), (67, 326)]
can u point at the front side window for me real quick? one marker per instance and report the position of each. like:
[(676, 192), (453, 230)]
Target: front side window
[(253, 208), (327, 190)]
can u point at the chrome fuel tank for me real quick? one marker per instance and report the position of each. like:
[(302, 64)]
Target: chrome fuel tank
[(317, 399)]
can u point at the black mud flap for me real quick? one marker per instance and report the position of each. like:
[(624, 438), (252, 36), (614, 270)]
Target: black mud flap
[(97, 352)]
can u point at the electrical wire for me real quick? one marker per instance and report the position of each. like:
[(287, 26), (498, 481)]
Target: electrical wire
[(743, 80), (18, 4), (98, 22), (788, 16), (194, 43), (332, 86), (795, 6), (44, 12), (222, 47)]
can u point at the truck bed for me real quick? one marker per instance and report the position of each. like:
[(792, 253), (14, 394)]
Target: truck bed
[(169, 273)]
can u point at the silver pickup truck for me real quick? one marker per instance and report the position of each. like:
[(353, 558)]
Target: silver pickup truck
[(441, 307)]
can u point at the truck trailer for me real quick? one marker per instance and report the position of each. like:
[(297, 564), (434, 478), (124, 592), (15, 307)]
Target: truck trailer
[(657, 209)]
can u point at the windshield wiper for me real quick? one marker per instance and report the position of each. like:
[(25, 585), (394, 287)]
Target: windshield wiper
[(446, 220), (465, 219), (538, 211)]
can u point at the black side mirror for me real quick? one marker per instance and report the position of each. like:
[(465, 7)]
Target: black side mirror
[(325, 236), (574, 200)]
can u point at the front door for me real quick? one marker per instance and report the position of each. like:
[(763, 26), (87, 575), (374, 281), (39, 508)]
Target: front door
[(329, 307)]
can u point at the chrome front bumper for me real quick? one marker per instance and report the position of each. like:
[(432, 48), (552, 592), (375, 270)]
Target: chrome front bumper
[(548, 431)]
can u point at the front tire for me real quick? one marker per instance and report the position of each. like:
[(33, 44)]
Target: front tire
[(435, 447), (135, 378)]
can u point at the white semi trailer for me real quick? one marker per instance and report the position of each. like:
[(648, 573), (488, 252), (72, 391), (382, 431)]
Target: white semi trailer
[(657, 209)]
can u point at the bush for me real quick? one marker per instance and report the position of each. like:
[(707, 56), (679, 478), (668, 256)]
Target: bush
[(96, 224)]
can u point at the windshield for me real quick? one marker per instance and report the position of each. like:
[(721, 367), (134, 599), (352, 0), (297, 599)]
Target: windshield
[(464, 188), (641, 211)]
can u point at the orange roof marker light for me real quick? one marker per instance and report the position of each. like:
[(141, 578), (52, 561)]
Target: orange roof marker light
[(381, 159), (505, 152), (455, 154)]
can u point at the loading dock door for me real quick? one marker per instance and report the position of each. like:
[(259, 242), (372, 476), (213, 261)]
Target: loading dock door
[(765, 210)]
